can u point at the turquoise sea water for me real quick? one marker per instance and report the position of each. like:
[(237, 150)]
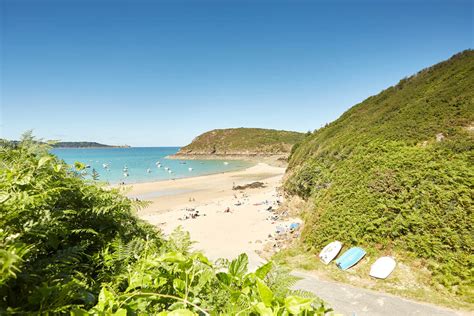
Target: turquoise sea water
[(138, 160)]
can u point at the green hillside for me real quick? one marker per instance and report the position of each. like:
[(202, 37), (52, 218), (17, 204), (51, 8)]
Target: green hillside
[(242, 141), (394, 174)]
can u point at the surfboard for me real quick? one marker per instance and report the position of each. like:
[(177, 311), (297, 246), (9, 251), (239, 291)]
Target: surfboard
[(350, 258), (330, 251), (382, 267)]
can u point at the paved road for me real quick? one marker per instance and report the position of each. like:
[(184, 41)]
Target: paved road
[(352, 301)]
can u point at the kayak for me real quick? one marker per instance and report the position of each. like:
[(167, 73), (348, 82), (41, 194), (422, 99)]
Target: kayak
[(382, 267), (350, 258), (330, 251)]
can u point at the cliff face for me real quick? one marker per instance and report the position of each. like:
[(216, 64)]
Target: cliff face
[(241, 142)]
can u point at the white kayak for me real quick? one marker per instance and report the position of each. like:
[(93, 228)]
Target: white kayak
[(330, 251), (382, 268)]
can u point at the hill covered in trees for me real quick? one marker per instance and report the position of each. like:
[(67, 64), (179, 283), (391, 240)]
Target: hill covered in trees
[(241, 142), (394, 174)]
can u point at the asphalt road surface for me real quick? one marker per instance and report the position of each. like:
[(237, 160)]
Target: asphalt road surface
[(352, 301)]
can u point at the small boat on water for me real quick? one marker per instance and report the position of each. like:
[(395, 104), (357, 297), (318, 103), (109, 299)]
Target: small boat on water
[(125, 174), (330, 251), (350, 258), (190, 169), (169, 171), (226, 163), (382, 267), (148, 170), (105, 166), (166, 168)]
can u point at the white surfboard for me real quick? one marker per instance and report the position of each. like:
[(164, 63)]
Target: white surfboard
[(382, 268), (330, 251)]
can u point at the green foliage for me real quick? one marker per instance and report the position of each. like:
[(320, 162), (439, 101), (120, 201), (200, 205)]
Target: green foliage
[(69, 246), (377, 176), (242, 141), (62, 222)]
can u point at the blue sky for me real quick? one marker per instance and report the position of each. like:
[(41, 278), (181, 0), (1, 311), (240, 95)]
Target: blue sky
[(149, 73)]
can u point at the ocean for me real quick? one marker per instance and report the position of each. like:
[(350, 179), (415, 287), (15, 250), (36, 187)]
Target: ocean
[(140, 164)]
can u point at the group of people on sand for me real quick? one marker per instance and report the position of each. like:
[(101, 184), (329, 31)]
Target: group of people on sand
[(192, 215)]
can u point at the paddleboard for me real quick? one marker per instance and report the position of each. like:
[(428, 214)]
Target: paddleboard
[(350, 258), (382, 267), (330, 251)]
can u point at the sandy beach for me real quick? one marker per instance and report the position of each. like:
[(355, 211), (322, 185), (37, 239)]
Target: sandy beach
[(229, 222)]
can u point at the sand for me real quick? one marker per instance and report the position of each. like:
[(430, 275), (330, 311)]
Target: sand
[(219, 234)]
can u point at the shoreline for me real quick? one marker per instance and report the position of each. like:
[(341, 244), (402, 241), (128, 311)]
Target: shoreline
[(212, 183), (279, 160), (222, 221), (116, 185)]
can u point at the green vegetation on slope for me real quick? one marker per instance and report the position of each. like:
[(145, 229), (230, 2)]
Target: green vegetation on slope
[(242, 141), (69, 246), (394, 174)]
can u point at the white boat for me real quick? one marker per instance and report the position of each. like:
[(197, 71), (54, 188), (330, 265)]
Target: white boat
[(148, 170), (226, 163), (157, 163), (125, 174), (382, 267), (169, 171), (330, 251), (190, 169)]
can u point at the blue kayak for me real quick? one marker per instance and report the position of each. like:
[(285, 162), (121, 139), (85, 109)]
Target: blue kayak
[(350, 258)]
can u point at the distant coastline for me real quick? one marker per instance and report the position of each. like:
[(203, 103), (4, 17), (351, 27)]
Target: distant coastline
[(64, 145)]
